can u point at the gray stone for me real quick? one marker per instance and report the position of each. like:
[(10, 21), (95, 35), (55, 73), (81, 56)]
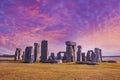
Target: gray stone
[(44, 51), (23, 56), (70, 51), (79, 55), (17, 54), (98, 53), (83, 57), (88, 56), (36, 51), (93, 57), (101, 55), (52, 56), (28, 52)]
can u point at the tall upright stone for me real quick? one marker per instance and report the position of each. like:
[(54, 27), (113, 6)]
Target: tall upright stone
[(79, 55), (52, 56), (23, 56), (88, 56), (36, 51), (28, 53), (97, 52), (44, 51), (93, 56), (83, 57), (59, 56), (17, 54), (70, 51), (101, 55)]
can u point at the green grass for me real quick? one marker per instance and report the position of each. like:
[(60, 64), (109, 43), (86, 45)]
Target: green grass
[(66, 71)]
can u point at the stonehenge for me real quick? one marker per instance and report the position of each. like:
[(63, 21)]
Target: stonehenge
[(70, 55)]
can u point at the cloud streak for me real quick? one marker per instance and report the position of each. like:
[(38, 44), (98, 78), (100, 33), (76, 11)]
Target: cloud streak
[(94, 23)]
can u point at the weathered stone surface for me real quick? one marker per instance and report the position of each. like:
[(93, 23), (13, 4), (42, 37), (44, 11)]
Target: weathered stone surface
[(28, 52), (52, 56), (88, 56), (23, 56), (60, 55), (17, 54), (101, 55), (36, 51), (79, 55), (70, 51), (83, 57), (44, 51), (93, 55), (98, 53)]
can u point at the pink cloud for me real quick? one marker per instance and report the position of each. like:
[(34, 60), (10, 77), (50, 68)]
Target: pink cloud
[(106, 38)]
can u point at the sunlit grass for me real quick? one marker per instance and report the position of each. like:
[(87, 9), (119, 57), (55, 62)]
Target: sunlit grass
[(66, 71)]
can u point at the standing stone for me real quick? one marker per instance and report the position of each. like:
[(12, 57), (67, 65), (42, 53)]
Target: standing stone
[(59, 57), (64, 58), (93, 55), (52, 56), (44, 51), (36, 51), (70, 51), (69, 55), (79, 56), (101, 55), (23, 56), (17, 54), (28, 53), (88, 57), (97, 52), (83, 57)]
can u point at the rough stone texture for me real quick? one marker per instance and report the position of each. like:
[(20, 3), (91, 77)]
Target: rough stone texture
[(64, 58), (98, 53), (79, 55), (23, 56), (44, 51), (60, 55), (36, 51), (101, 55), (28, 52), (17, 54), (52, 56), (88, 56), (70, 51), (93, 57), (83, 57)]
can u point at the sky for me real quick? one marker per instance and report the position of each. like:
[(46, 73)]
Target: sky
[(89, 23)]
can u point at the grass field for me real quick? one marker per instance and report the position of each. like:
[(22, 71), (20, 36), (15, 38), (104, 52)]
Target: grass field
[(65, 71)]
